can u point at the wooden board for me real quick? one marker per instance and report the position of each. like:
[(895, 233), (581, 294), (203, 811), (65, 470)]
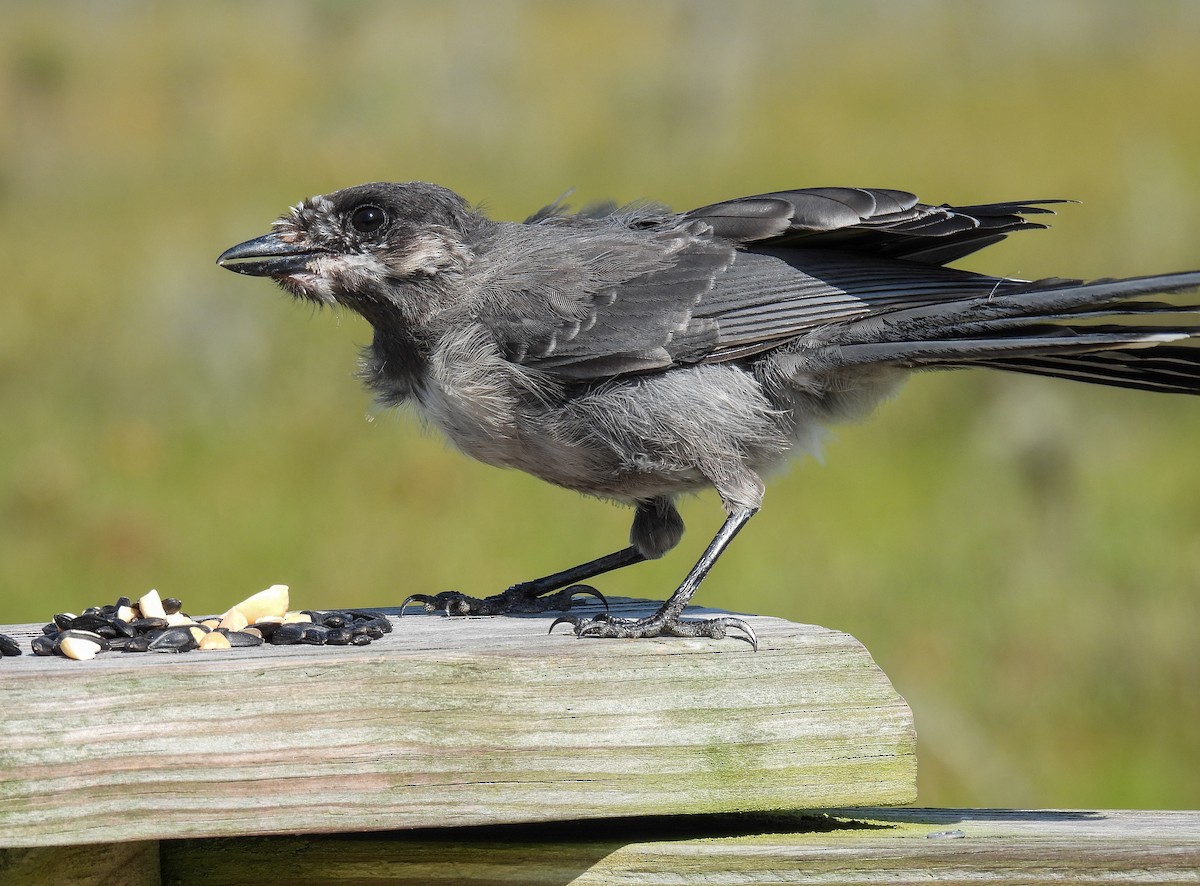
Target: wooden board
[(855, 846), (444, 722), (106, 864), (850, 846)]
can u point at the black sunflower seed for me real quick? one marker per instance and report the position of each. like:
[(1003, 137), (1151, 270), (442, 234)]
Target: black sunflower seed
[(287, 634), (314, 634), (90, 636), (267, 628), (366, 617), (141, 625), (177, 639), (336, 619)]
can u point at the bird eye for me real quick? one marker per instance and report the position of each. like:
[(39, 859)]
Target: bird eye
[(367, 219)]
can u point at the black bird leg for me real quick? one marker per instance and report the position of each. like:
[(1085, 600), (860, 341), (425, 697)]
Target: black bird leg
[(666, 621), (527, 595)]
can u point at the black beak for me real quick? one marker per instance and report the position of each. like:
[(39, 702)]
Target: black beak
[(267, 256)]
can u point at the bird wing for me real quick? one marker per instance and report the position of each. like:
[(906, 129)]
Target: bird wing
[(736, 278), (868, 221), (588, 299)]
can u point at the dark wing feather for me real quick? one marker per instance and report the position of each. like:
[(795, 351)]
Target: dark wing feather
[(768, 297), (642, 324), (807, 258), (590, 299), (868, 221)]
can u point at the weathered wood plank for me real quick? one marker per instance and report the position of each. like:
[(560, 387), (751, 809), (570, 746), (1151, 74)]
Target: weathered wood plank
[(846, 847), (445, 722), (109, 864)]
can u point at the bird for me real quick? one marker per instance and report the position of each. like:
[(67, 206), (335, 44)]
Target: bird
[(635, 354)]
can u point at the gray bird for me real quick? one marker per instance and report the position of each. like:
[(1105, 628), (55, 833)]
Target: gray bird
[(636, 353)]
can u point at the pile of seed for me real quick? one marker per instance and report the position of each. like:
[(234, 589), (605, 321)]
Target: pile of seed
[(152, 624)]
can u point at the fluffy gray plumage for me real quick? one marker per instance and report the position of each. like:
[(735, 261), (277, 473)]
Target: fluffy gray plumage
[(637, 353)]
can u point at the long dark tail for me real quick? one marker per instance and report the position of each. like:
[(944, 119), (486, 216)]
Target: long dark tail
[(1049, 328)]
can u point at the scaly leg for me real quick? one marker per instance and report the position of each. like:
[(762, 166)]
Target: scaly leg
[(527, 595), (666, 621)]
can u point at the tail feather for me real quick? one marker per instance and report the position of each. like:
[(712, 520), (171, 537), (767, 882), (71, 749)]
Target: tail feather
[(1034, 301), (1046, 328), (1113, 309), (1168, 369), (1032, 342)]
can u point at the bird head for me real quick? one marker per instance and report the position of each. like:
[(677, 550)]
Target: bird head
[(360, 247)]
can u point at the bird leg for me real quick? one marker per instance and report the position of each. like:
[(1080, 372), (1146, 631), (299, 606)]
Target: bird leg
[(666, 621), (527, 596)]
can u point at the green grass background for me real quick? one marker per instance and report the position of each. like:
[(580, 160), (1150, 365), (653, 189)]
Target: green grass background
[(1019, 555)]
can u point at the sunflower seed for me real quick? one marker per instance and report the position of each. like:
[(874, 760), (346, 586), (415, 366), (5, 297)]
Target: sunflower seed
[(80, 645), (273, 601), (214, 640), (43, 645), (287, 634), (142, 625), (176, 639), (150, 605)]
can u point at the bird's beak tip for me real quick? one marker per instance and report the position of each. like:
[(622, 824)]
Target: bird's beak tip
[(265, 256)]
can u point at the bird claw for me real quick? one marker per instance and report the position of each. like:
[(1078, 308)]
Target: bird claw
[(429, 602), (568, 595), (513, 600), (565, 619), (578, 624), (449, 602), (657, 626)]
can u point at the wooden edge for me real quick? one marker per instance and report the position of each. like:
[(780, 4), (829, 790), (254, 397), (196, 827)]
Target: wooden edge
[(848, 846), (106, 864), (445, 722), (844, 846)]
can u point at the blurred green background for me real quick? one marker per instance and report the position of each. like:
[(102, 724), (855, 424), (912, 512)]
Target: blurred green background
[(1020, 555)]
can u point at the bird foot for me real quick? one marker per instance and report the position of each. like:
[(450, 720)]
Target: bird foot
[(658, 625), (517, 599)]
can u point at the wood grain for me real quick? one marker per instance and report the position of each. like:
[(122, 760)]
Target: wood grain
[(848, 846), (444, 722), (109, 864), (853, 846)]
